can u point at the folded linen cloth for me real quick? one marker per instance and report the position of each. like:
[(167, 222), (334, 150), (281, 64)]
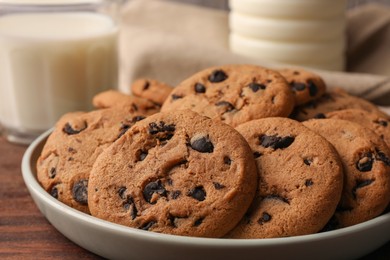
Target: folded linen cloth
[(170, 41)]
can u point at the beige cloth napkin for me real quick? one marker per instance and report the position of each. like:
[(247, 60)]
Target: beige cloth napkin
[(170, 41)]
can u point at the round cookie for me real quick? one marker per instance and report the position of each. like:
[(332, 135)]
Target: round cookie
[(233, 94), (68, 155), (366, 162), (305, 85), (334, 99), (300, 180), (113, 98), (177, 173), (376, 122), (151, 89)]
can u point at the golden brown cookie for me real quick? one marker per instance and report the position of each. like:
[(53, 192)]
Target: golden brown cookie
[(300, 180), (366, 162), (233, 94), (113, 98), (376, 122), (334, 99), (151, 89), (306, 85), (177, 173), (78, 138)]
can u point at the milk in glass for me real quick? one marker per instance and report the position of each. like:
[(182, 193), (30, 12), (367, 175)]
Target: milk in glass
[(52, 63)]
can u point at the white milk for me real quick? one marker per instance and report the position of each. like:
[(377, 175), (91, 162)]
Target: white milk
[(52, 63)]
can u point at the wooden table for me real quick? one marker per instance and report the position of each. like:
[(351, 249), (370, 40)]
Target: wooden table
[(24, 231)]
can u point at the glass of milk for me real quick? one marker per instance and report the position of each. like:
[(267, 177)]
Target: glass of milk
[(55, 55)]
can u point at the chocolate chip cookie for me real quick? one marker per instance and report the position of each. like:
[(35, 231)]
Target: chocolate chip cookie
[(113, 98), (366, 162), (177, 173), (306, 86), (233, 94), (78, 138), (300, 180), (376, 122), (334, 99), (151, 89)]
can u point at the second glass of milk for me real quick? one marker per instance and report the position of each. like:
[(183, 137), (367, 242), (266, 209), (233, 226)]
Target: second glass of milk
[(55, 55)]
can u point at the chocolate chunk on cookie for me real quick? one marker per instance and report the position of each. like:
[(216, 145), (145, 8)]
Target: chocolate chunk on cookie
[(334, 99), (300, 180), (233, 94), (78, 138), (197, 178), (366, 164), (306, 86), (378, 123), (150, 89)]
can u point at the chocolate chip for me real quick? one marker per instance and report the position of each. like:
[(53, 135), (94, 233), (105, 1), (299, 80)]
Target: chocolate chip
[(72, 150), (313, 89), (52, 172), (146, 85), (256, 86), (147, 225), (217, 76), (155, 128), (54, 192), (123, 130), (134, 106), (122, 192), (308, 182), (80, 192), (175, 194), (218, 186), (320, 116), (152, 188), (256, 155), (172, 220), (68, 129), (381, 122), (229, 107), (137, 118), (265, 217), (175, 97), (297, 86), (382, 157), (360, 184), (197, 193), (276, 142), (198, 222), (142, 155), (202, 144), (364, 164), (130, 205), (128, 124), (296, 72), (227, 160), (307, 161), (200, 88)]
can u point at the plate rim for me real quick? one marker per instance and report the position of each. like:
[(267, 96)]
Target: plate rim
[(33, 186)]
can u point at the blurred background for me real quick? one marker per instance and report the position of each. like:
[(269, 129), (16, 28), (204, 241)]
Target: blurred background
[(223, 4)]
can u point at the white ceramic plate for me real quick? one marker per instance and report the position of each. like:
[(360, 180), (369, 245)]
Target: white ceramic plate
[(119, 242)]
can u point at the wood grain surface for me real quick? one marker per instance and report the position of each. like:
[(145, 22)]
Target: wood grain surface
[(24, 231)]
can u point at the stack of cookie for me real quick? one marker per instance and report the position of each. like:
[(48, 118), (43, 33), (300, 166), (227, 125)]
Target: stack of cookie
[(235, 151), (300, 32)]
